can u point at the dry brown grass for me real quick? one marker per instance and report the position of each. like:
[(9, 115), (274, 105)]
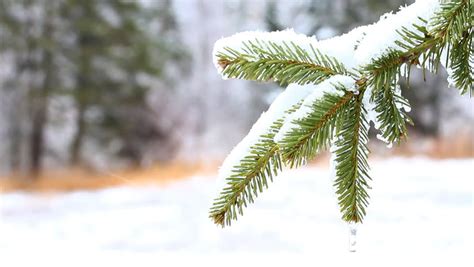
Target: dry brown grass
[(77, 179), (462, 146), (67, 180)]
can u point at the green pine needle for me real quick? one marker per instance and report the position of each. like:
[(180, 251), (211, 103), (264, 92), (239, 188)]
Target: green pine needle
[(314, 133), (287, 63), (391, 117), (351, 161)]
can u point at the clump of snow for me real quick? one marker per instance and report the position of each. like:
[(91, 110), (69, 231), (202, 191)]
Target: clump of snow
[(343, 47), (383, 34), (291, 96), (326, 87), (449, 69), (401, 106), (450, 79), (370, 107)]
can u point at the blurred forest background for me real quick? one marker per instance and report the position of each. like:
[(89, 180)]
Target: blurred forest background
[(107, 85)]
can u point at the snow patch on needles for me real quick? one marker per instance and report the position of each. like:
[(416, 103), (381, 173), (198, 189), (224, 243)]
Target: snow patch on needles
[(291, 96), (398, 93), (326, 87), (449, 69), (343, 47), (383, 34), (370, 107)]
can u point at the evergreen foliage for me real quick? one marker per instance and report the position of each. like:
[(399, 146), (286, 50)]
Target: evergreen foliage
[(314, 132), (250, 176), (352, 169), (339, 118), (287, 63)]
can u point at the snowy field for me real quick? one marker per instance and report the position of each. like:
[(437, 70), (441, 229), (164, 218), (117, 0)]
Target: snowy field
[(421, 214)]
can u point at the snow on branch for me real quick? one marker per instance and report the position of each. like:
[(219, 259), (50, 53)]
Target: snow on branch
[(349, 81), (291, 96), (255, 160), (329, 86), (384, 34), (237, 42), (282, 56)]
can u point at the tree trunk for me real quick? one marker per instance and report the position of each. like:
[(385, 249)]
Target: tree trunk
[(40, 117), (80, 97), (40, 102), (75, 156), (37, 135)]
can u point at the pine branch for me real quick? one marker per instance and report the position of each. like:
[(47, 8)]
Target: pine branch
[(392, 119), (448, 34), (351, 161), (287, 63), (461, 59), (452, 20), (384, 71), (248, 180), (314, 132), (425, 49), (250, 177), (451, 27)]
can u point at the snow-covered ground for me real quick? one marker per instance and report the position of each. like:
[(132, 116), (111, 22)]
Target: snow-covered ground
[(421, 214)]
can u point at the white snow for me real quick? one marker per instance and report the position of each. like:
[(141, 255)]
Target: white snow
[(344, 47), (327, 86), (382, 35), (292, 95), (370, 107), (420, 214)]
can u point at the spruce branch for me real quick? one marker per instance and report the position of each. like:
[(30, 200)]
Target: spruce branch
[(250, 177), (341, 120), (461, 59), (314, 132), (286, 63), (351, 154), (451, 28), (392, 119), (248, 180)]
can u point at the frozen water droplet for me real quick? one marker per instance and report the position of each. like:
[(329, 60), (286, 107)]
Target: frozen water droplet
[(352, 237)]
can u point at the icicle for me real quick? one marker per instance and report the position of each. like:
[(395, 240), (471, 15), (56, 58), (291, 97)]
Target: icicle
[(352, 237)]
